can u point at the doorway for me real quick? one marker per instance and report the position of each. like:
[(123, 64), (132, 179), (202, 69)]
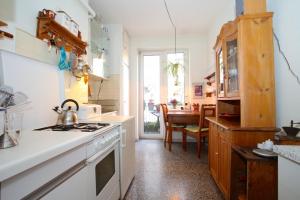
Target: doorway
[(152, 95), (157, 85)]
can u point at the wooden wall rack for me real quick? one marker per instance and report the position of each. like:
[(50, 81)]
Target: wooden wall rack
[(59, 36), (3, 33)]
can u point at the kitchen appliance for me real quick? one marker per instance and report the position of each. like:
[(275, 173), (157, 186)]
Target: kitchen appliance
[(81, 127), (103, 155), (87, 111), (103, 163), (67, 117)]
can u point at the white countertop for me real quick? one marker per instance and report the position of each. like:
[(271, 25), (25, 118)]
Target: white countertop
[(291, 152), (118, 119), (36, 147)]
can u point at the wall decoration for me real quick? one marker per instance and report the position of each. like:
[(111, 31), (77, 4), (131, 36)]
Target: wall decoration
[(198, 90)]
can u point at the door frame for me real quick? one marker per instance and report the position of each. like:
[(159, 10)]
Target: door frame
[(141, 92), (161, 53)]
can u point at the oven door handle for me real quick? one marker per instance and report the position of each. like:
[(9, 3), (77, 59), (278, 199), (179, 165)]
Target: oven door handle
[(100, 153)]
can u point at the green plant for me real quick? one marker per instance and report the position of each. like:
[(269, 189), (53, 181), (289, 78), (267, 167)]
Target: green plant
[(151, 126), (173, 69)]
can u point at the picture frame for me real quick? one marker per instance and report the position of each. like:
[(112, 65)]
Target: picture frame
[(198, 90)]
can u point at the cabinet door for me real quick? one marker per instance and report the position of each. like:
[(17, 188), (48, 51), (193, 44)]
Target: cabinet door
[(127, 155), (220, 73), (213, 150), (232, 79), (224, 164)]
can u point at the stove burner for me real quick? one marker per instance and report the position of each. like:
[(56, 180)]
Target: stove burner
[(83, 127)]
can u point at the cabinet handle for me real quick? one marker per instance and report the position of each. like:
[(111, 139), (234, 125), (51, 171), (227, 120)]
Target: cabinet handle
[(217, 153)]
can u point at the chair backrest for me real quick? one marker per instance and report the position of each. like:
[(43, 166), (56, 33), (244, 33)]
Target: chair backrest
[(207, 110), (165, 112)]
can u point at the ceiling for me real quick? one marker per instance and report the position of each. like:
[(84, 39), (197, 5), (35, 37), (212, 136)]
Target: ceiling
[(149, 17)]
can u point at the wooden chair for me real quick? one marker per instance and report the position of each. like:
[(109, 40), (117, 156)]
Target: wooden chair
[(200, 131), (175, 127)]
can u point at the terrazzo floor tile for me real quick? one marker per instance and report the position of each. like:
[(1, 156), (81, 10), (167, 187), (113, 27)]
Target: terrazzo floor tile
[(176, 175)]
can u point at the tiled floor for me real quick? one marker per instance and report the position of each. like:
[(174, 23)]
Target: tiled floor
[(176, 175)]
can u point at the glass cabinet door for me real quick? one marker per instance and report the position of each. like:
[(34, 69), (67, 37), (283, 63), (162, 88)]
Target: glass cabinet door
[(221, 68), (232, 69)]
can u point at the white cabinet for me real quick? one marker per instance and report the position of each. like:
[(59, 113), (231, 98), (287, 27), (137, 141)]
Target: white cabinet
[(127, 156), (73, 188), (288, 179), (37, 179)]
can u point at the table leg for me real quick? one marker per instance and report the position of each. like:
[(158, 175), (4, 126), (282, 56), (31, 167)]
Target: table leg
[(170, 132)]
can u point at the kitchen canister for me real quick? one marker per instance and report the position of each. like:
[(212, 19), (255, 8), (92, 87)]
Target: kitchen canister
[(74, 28), (63, 19)]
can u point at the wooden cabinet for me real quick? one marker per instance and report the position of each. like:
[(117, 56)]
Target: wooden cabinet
[(245, 89), (252, 177), (222, 136), (245, 70)]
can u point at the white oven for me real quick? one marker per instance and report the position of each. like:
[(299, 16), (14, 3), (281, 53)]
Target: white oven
[(103, 166)]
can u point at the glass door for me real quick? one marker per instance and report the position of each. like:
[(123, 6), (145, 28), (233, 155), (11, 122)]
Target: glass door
[(151, 77), (221, 74), (161, 82), (232, 88)]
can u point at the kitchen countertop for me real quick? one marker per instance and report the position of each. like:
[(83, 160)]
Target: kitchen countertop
[(291, 152), (36, 147), (118, 119)]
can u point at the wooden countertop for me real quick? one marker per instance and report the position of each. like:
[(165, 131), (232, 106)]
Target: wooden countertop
[(235, 126)]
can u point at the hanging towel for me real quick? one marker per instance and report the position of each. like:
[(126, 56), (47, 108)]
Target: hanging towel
[(63, 63)]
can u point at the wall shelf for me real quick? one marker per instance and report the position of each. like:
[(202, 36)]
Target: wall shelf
[(211, 78), (3, 33), (59, 36)]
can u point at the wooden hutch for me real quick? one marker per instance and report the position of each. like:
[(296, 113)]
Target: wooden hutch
[(245, 89)]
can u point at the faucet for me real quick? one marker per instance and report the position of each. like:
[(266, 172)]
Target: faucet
[(292, 123)]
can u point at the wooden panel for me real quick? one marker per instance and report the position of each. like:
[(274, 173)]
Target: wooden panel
[(224, 164), (254, 6), (213, 150), (256, 64), (250, 138), (262, 180)]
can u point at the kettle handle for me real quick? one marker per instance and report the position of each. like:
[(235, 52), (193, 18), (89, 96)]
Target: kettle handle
[(70, 100)]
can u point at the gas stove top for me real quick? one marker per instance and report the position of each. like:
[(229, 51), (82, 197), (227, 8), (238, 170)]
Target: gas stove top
[(83, 127)]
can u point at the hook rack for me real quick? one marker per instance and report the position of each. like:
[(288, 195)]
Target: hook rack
[(47, 27)]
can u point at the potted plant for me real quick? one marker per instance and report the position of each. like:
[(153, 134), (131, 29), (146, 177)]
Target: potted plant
[(173, 69), (174, 103)]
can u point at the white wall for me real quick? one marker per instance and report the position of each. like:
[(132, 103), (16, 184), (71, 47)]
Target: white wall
[(39, 81), (226, 14), (198, 64), (286, 25), (23, 16)]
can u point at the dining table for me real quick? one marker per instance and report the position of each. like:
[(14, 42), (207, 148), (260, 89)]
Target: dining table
[(182, 117)]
